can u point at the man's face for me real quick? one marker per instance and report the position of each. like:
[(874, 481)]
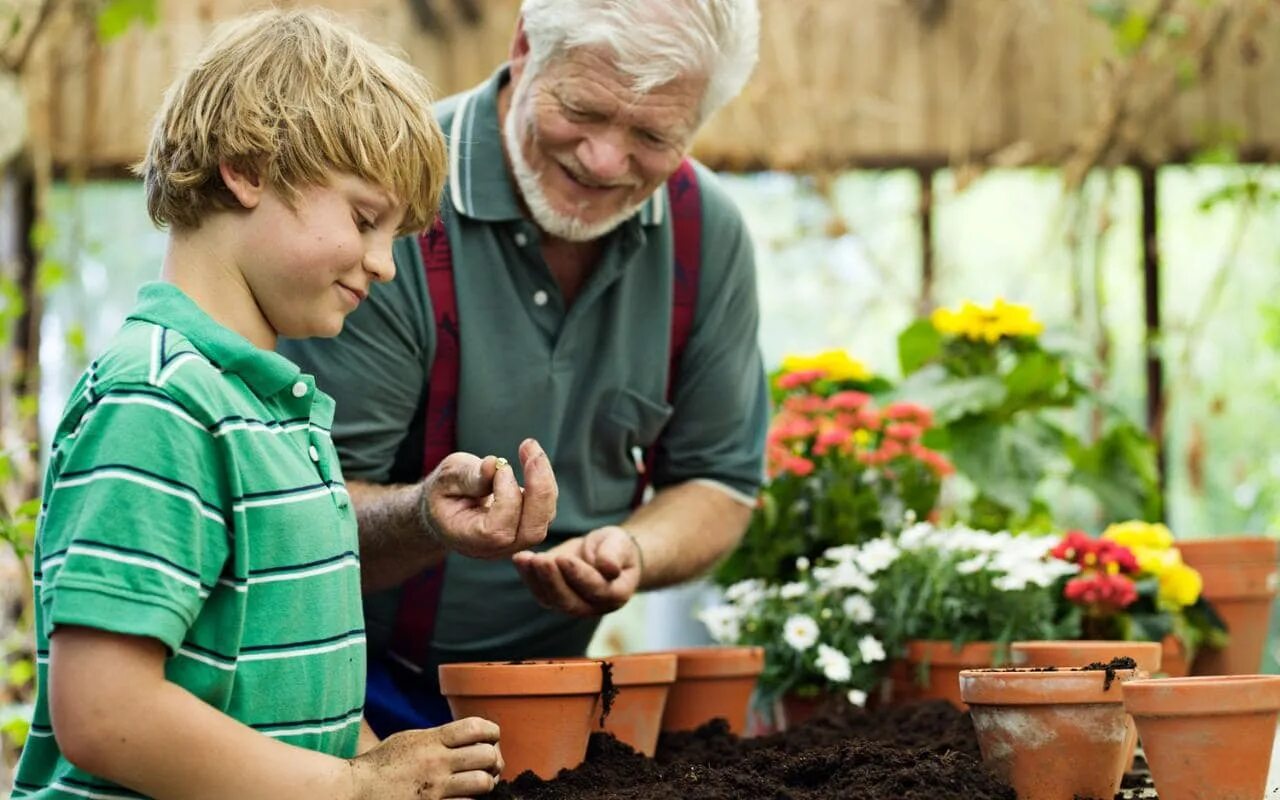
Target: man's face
[(586, 150)]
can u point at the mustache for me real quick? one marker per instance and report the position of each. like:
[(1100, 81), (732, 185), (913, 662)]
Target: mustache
[(582, 176)]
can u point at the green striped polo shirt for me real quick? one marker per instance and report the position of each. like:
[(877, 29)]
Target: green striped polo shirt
[(193, 495)]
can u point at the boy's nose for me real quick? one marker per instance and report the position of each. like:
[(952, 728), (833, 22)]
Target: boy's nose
[(380, 264)]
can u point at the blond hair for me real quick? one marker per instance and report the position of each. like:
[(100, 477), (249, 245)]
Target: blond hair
[(293, 96)]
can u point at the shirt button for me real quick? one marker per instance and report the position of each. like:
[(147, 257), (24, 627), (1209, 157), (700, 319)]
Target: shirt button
[(314, 453), (540, 298), (299, 389), (521, 239)]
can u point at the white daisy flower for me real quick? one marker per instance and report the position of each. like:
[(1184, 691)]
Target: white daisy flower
[(800, 631), (834, 664), (723, 623), (857, 697), (859, 609), (870, 649)]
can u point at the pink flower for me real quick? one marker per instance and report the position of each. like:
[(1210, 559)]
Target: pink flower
[(903, 431), (848, 400), (798, 466), (910, 412), (793, 380)]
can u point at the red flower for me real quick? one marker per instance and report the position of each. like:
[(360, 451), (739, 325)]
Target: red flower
[(798, 466), (802, 404), (1101, 591)]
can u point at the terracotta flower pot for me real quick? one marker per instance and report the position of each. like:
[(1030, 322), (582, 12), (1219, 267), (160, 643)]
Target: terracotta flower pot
[(1207, 737), (546, 710), (712, 682), (1240, 577), (930, 670), (1089, 651), (1173, 658), (1051, 734), (643, 681)]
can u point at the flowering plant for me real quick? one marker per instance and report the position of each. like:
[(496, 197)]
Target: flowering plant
[(963, 585), (1007, 399), (841, 470), (1133, 584), (819, 631)]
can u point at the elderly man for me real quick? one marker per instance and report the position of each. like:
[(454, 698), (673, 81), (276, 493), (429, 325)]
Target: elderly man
[(587, 286)]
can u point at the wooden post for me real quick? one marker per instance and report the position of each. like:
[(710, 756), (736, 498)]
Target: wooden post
[(1149, 176), (927, 265)]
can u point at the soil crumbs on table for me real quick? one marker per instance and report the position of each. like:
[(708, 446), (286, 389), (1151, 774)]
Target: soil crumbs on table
[(917, 752)]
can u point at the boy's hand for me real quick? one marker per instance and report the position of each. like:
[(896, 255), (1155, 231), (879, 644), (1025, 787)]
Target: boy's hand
[(460, 759), (476, 507)]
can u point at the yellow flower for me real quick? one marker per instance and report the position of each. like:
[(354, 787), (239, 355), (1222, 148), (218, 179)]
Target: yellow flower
[(837, 365), (1001, 319), (1180, 585), (1136, 534), (862, 437)]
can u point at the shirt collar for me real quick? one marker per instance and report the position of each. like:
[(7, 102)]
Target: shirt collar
[(166, 305), (479, 185)]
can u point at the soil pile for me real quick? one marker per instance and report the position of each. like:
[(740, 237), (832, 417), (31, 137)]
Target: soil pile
[(918, 752)]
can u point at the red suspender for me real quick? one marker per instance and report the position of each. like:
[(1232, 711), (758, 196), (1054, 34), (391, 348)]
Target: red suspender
[(420, 596), (685, 206)]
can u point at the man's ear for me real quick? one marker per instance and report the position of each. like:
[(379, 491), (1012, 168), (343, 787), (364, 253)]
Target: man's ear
[(245, 185), (519, 45)]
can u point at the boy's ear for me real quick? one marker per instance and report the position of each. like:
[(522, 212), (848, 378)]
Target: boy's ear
[(245, 185)]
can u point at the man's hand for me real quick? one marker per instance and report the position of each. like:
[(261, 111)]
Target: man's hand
[(460, 759), (476, 507), (585, 576)]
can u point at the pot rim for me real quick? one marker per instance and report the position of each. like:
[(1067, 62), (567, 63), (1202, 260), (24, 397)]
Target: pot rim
[(546, 677), (718, 662), (640, 669), (1147, 654), (942, 651), (1229, 550), (1202, 695), (1038, 686)]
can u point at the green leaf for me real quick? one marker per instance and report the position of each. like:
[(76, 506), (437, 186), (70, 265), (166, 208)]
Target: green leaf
[(1121, 470), (1131, 32), (1006, 461), (116, 16), (949, 397), (50, 273), (16, 730), (42, 233), (1038, 379), (918, 345)]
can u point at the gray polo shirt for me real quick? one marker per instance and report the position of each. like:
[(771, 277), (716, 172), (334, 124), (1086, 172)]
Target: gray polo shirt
[(589, 381)]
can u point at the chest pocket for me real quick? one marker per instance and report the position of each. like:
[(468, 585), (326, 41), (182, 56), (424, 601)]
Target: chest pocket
[(626, 420)]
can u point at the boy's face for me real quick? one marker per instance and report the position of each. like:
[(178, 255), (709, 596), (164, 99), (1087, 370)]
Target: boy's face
[(310, 266)]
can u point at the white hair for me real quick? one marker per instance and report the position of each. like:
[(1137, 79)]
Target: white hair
[(654, 41)]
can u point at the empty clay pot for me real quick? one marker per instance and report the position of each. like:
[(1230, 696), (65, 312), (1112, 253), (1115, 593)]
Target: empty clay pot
[(930, 670), (546, 710), (1089, 651), (643, 681), (1053, 734), (1207, 738), (1084, 651), (1240, 576), (712, 682)]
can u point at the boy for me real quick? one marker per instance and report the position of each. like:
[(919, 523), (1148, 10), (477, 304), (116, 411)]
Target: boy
[(199, 627)]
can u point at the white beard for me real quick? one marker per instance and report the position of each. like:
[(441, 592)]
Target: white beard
[(528, 181)]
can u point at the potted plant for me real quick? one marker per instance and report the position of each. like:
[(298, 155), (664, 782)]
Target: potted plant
[(818, 632), (842, 468), (1133, 585), (955, 597), (1004, 394)]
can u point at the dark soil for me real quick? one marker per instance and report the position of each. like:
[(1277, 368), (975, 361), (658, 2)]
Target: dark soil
[(608, 691), (1110, 668), (918, 752)]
